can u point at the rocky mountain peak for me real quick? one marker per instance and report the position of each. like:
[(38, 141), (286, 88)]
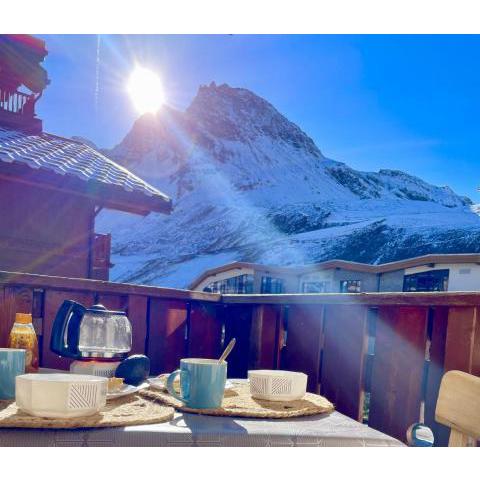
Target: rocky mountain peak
[(247, 184), (234, 113), (151, 132)]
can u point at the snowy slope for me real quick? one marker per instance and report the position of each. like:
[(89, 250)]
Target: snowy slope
[(248, 184)]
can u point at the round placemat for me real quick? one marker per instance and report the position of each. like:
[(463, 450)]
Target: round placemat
[(121, 412), (238, 402)]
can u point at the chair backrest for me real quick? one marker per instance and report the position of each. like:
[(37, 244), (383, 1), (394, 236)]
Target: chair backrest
[(458, 407)]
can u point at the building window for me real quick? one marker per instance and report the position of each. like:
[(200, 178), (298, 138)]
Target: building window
[(350, 286), (431, 281), (271, 285), (238, 284), (315, 287)]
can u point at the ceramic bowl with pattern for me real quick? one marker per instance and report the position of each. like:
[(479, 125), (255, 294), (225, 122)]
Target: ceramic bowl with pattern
[(277, 385), (60, 395)]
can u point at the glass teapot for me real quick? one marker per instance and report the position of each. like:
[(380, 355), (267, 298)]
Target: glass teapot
[(90, 333)]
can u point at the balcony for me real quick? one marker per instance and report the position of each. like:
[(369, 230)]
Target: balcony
[(17, 111), (378, 356)]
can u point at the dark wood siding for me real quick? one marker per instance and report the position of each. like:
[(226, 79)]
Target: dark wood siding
[(44, 231)]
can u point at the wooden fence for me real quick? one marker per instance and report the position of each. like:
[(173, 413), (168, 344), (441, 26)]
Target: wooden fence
[(378, 356)]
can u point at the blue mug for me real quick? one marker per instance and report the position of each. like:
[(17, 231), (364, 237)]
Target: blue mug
[(12, 363), (202, 382)]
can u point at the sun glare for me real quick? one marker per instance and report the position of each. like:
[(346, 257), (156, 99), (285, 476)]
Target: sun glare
[(145, 90)]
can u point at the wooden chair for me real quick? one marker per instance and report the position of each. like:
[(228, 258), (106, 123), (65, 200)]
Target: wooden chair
[(458, 407)]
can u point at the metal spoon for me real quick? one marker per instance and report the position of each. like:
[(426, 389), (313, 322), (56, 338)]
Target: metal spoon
[(227, 351)]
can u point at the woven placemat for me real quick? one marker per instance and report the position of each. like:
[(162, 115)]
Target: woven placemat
[(121, 412), (238, 402)]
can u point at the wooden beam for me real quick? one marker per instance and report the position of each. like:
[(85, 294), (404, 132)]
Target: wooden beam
[(100, 286), (374, 299)]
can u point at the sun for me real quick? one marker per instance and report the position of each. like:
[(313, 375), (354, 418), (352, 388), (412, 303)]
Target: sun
[(146, 90)]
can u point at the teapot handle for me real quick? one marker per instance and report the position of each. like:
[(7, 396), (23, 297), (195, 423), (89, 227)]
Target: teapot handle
[(66, 329)]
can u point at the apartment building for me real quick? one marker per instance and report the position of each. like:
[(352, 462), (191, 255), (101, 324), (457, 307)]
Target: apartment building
[(427, 273)]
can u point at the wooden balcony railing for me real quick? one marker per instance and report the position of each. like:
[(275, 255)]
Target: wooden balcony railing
[(17, 110), (14, 102), (378, 356)]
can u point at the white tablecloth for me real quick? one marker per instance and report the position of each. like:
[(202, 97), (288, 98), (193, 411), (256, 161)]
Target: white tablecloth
[(329, 430), (333, 430)]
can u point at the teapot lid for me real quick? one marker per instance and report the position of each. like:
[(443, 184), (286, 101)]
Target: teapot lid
[(98, 308)]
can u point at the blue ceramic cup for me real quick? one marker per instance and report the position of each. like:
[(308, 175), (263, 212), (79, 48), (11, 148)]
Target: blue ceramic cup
[(202, 382), (12, 363)]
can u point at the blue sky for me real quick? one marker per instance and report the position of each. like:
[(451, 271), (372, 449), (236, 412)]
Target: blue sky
[(373, 101)]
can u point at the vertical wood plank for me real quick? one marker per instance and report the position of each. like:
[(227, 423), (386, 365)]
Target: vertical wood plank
[(166, 334), (7, 308), (37, 319), (344, 349), (264, 337), (14, 300), (372, 315), (462, 350), (7, 313), (438, 336), (37, 310), (238, 321), (475, 369), (112, 302), (304, 337), (137, 312), (23, 298), (463, 340), (398, 369), (53, 300), (205, 331)]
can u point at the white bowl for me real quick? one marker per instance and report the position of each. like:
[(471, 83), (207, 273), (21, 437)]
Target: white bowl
[(60, 395), (277, 385)]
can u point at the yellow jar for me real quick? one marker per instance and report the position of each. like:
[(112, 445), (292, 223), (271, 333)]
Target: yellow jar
[(23, 336)]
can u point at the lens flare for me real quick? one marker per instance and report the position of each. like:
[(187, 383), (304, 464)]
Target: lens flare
[(146, 90)]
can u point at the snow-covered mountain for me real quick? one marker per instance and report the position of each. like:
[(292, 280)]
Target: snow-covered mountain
[(248, 184)]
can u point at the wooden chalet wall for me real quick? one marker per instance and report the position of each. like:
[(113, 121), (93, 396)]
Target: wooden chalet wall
[(44, 231)]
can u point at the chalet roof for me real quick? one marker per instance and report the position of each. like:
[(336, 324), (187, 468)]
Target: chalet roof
[(83, 169)]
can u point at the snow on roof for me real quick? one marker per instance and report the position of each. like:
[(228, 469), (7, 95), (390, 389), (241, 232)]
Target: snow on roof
[(69, 157)]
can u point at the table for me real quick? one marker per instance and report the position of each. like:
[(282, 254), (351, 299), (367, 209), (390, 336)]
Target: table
[(330, 430), (186, 429)]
